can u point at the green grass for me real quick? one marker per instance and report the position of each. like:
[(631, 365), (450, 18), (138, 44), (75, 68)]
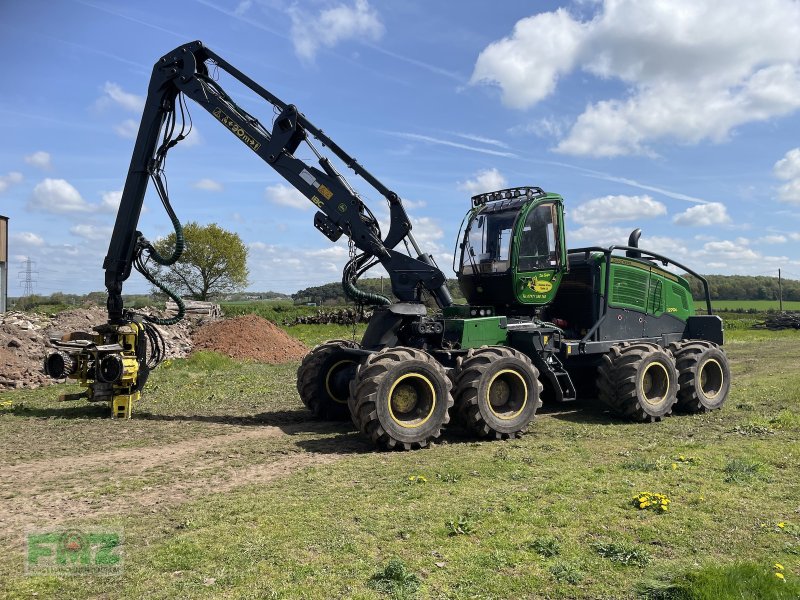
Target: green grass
[(546, 516), (755, 305)]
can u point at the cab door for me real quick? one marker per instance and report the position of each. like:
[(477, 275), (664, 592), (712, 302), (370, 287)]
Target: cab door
[(539, 253)]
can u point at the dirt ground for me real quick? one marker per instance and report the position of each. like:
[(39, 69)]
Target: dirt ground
[(157, 477)]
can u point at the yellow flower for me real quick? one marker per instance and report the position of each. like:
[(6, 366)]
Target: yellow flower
[(779, 566), (780, 576), (781, 524), (681, 457), (674, 466), (664, 507)]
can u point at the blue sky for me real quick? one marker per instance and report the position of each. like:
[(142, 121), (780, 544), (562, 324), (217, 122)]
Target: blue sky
[(680, 118)]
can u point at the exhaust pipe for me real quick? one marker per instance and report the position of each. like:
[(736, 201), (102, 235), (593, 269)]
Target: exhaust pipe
[(633, 241)]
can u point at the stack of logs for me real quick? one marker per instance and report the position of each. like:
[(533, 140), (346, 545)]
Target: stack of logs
[(786, 320), (197, 308), (337, 316)]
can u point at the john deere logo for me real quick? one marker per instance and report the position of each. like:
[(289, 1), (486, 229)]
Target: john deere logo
[(540, 287)]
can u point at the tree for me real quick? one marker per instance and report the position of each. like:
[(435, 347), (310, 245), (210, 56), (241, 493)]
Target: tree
[(213, 262)]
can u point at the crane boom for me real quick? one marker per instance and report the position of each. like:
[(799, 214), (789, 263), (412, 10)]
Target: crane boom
[(184, 72)]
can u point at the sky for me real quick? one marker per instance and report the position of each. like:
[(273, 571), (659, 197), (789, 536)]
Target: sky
[(678, 117)]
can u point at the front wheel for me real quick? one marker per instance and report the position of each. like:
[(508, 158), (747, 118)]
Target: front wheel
[(497, 392), (400, 398)]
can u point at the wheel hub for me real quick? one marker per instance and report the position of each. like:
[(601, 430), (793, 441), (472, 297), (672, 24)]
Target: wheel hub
[(404, 398), (655, 383), (711, 378), (499, 394)]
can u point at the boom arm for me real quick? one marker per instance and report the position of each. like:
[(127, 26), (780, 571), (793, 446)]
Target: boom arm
[(341, 210)]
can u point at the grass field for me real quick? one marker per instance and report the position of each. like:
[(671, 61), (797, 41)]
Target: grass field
[(753, 305), (222, 488)]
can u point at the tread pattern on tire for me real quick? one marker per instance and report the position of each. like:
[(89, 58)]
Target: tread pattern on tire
[(308, 377), (467, 377), (364, 391), (687, 356), (617, 379)]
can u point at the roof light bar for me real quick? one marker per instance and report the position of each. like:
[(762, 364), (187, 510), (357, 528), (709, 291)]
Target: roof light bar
[(507, 194)]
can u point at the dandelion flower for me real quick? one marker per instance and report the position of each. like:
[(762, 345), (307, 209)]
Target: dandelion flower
[(779, 566), (674, 466), (781, 524), (780, 576)]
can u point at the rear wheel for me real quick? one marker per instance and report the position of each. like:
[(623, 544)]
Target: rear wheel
[(638, 380), (497, 392), (323, 379), (704, 376), (400, 398)]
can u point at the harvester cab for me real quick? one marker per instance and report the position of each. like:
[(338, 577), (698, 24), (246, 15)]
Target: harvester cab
[(512, 253)]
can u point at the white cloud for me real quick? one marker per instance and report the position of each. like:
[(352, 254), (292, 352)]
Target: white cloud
[(113, 93), (6, 181), (242, 7), (57, 196), (26, 238), (703, 215), (618, 208), (731, 251), (91, 232), (693, 72), (773, 239), (287, 196), (487, 180), (207, 185), (333, 25), (787, 169), (110, 201), (526, 65), (127, 129), (39, 159), (441, 142)]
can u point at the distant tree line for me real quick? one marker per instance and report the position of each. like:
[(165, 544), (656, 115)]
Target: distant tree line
[(745, 287)]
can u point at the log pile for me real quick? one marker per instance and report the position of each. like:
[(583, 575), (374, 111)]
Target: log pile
[(786, 320), (197, 308), (337, 316)]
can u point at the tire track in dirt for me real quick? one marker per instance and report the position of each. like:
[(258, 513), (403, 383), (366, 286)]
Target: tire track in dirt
[(47, 493)]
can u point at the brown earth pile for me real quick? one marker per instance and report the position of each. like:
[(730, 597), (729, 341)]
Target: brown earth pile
[(249, 337)]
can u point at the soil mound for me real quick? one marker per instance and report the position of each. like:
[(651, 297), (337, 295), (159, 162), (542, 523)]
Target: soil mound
[(249, 337)]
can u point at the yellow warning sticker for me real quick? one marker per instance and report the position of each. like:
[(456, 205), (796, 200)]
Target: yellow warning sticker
[(325, 191)]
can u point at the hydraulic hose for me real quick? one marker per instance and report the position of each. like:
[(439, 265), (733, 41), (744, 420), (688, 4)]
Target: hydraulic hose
[(349, 278)]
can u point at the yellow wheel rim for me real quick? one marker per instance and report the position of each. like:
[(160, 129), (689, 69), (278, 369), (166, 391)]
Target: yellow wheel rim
[(328, 389), (503, 391), (654, 383), (408, 400), (711, 378)]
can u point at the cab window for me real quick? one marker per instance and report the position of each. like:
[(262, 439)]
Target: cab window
[(537, 245), (488, 247)]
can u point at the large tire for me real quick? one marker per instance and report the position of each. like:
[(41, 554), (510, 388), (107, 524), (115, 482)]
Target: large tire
[(704, 376), (400, 398), (497, 392), (323, 379), (638, 380)]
